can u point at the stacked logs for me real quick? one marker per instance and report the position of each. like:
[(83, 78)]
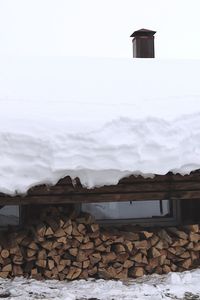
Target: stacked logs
[(58, 247)]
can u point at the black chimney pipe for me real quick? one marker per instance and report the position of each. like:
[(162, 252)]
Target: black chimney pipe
[(143, 43)]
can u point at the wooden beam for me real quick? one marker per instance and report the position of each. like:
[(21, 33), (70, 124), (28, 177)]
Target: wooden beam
[(89, 198), (174, 187)]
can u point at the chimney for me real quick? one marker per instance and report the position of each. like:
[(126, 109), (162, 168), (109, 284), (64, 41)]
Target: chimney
[(143, 43)]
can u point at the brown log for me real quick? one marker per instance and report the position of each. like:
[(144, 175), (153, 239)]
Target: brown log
[(94, 258), (92, 271), (179, 250), (162, 259), (15, 250), (117, 265), (103, 273), (47, 245), (62, 240), (68, 230), (33, 246), (161, 245), (165, 236), (129, 246), (49, 231), (83, 255), (48, 274), (155, 252), (118, 248), (73, 251), (17, 270), (7, 268), (107, 258), (4, 274), (77, 264), (144, 260), (94, 235), (87, 246), (65, 262), (41, 263), (185, 254), (154, 240), (74, 229), (166, 269), (141, 244), (131, 236), (180, 234), (73, 273), (31, 252), (194, 255), (34, 272), (194, 237), (173, 267), (79, 238), (86, 239), (84, 274), (122, 257), (42, 254), (137, 257), (180, 243), (5, 253), (196, 247), (86, 263), (186, 264), (50, 264), (59, 233), (74, 243), (18, 260), (81, 228), (40, 230), (138, 272), (146, 234), (94, 227), (154, 262), (56, 258), (128, 264), (60, 268), (101, 248), (193, 228), (97, 242)]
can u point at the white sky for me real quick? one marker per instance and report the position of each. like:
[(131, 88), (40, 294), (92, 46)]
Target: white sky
[(98, 27)]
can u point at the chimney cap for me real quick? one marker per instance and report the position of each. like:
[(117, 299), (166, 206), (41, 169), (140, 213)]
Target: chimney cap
[(143, 32)]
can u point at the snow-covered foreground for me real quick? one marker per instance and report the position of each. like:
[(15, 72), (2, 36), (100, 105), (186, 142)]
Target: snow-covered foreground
[(182, 286)]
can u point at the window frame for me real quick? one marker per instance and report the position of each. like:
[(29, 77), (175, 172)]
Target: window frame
[(154, 221), (21, 214)]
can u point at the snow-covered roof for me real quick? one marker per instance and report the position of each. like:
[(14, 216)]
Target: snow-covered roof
[(98, 119)]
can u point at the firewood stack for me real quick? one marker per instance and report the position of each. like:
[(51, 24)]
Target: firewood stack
[(58, 247)]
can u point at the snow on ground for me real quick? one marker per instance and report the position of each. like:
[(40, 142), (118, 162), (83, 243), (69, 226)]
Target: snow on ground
[(180, 286), (98, 119)]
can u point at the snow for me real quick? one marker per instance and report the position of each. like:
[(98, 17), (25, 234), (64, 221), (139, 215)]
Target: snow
[(96, 119), (180, 286)]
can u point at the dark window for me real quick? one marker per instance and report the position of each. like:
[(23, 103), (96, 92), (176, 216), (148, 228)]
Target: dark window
[(132, 211), (9, 215)]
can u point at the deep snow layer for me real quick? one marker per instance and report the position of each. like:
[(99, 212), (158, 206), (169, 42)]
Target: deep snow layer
[(179, 286), (98, 119)]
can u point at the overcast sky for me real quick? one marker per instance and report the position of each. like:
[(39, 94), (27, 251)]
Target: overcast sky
[(98, 27)]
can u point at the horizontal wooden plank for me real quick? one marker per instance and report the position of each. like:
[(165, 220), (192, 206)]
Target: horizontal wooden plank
[(86, 198), (78, 198)]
